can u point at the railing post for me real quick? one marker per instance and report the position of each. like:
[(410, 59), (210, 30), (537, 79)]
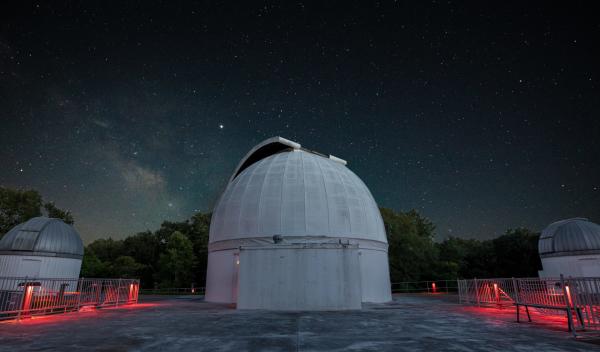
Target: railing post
[(575, 296), (79, 290), (568, 305), (118, 292), (137, 291), (22, 298), (477, 293), (516, 291)]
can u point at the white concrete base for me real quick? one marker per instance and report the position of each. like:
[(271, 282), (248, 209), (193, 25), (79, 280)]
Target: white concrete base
[(299, 278), (574, 266)]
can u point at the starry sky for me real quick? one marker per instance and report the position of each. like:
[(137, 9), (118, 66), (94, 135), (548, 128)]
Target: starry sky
[(481, 116)]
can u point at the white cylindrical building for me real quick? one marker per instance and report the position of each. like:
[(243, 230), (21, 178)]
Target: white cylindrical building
[(41, 248), (570, 247), (295, 229)]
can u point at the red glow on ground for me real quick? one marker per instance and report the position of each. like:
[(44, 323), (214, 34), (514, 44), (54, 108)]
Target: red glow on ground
[(86, 312), (509, 315), (136, 306)]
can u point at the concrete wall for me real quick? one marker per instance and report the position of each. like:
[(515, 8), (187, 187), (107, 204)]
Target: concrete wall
[(575, 266), (375, 276), (221, 276), (297, 278)]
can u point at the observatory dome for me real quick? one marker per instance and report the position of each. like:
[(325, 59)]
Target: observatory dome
[(295, 192), (43, 248), (296, 229), (569, 237), (43, 236)]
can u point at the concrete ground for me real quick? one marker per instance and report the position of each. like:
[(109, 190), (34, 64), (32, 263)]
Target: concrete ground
[(410, 323)]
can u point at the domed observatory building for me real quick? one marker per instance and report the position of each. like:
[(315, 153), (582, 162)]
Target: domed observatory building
[(296, 230), (570, 247), (41, 248)]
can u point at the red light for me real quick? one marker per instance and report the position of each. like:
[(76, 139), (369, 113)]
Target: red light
[(569, 295), (433, 288), (133, 292), (27, 299)]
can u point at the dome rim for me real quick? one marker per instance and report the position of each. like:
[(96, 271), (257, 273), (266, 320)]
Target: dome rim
[(7, 242)]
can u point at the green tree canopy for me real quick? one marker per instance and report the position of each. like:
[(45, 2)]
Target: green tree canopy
[(177, 262), (54, 212), (18, 206), (412, 253)]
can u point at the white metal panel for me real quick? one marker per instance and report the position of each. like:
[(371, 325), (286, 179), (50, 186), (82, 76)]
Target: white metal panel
[(294, 210), (575, 266), (299, 278), (221, 276), (30, 267), (49, 267), (45, 267), (375, 276), (317, 213), (270, 199)]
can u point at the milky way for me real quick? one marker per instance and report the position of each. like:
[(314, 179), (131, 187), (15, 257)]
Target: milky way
[(481, 118)]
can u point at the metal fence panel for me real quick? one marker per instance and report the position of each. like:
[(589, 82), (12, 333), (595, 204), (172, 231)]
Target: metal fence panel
[(431, 286), (21, 297), (578, 297)]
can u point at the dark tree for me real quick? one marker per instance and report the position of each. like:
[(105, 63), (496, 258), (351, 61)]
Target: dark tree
[(17, 206), (54, 212), (412, 253), (177, 262), (516, 254)]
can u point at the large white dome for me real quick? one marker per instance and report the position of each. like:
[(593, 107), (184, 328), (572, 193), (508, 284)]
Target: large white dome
[(296, 193), (295, 229)]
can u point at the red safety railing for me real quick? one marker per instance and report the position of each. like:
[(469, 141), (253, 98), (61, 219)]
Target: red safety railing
[(21, 297), (578, 298)]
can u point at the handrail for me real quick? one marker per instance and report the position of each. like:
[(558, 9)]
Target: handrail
[(25, 296)]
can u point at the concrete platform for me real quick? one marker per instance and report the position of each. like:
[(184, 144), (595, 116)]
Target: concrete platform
[(410, 323)]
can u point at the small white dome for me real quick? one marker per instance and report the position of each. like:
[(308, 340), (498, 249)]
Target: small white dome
[(43, 236), (570, 237), (281, 189)]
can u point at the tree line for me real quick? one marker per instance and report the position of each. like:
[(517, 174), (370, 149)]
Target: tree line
[(175, 255)]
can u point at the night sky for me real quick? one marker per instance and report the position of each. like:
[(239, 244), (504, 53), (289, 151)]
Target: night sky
[(481, 118)]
